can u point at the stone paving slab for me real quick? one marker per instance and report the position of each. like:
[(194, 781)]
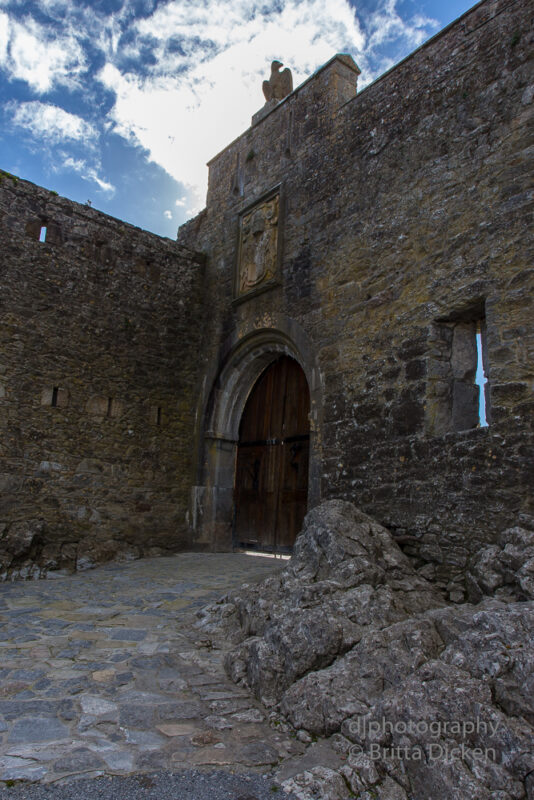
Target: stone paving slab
[(102, 673)]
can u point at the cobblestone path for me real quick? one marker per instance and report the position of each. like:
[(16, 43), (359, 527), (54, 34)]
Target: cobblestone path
[(101, 673)]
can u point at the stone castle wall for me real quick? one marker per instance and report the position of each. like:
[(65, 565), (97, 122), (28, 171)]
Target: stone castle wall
[(370, 236), (99, 338), (404, 221)]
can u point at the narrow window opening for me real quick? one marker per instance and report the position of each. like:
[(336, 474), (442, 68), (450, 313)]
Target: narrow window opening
[(54, 396), (459, 376), (158, 416), (110, 404), (42, 234), (236, 188), (481, 379), (289, 134)]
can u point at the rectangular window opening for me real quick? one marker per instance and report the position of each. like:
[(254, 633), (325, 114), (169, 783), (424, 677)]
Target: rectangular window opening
[(481, 378), (110, 406), (158, 416), (54, 396), (42, 234), (458, 387)]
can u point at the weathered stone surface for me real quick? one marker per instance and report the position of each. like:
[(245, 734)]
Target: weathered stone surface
[(259, 754), (21, 536), (318, 783), (505, 569), (322, 700), (58, 721), (405, 211), (80, 760), (37, 729), (487, 754), (280, 84), (258, 245), (431, 699), (346, 575), (98, 706), (108, 321)]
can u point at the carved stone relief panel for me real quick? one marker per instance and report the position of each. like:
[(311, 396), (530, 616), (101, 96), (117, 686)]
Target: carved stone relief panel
[(258, 246)]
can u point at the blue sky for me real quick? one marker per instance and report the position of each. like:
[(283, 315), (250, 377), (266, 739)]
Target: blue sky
[(122, 102)]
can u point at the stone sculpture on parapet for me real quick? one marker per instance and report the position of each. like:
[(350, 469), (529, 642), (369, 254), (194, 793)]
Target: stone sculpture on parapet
[(279, 85)]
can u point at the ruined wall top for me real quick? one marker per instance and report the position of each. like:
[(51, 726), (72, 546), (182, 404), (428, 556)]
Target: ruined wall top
[(26, 209)]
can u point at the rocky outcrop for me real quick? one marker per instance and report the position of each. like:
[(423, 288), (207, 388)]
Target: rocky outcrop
[(505, 570), (346, 576), (25, 552), (422, 699), (18, 544)]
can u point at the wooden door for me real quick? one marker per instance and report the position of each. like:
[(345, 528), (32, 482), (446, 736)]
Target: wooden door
[(271, 489)]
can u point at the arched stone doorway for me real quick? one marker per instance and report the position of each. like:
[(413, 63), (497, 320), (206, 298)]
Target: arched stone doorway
[(271, 478), (245, 356)]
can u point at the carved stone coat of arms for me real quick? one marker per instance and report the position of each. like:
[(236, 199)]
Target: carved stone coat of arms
[(258, 246)]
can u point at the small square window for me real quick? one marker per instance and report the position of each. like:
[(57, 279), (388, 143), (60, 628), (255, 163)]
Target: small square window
[(156, 415), (55, 397)]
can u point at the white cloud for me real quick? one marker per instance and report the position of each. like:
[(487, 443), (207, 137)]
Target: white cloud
[(56, 6), (200, 95), (386, 25), (36, 54), (4, 36), (51, 123), (88, 172), (167, 214), (187, 77)]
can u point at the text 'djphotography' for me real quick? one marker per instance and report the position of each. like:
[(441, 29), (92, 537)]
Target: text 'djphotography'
[(432, 741)]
